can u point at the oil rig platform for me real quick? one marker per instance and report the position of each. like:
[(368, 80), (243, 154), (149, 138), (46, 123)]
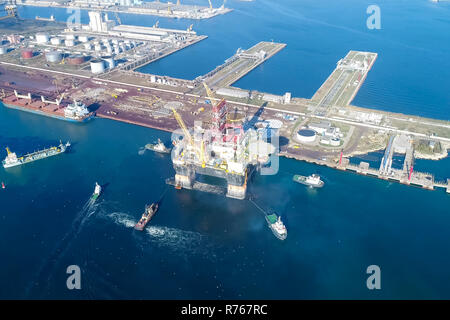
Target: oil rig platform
[(220, 148)]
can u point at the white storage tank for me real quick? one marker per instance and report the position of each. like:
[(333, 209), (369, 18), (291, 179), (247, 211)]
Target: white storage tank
[(83, 38), (88, 46), (69, 42), (70, 37), (109, 61), (98, 47), (97, 66), (55, 41), (42, 38), (3, 49), (53, 56)]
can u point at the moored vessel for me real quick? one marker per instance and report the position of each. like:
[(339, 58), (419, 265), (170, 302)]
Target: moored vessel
[(312, 180), (158, 147), (58, 109), (277, 226), (150, 211), (13, 160)]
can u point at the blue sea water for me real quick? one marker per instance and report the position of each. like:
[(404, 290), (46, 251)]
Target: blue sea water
[(206, 246)]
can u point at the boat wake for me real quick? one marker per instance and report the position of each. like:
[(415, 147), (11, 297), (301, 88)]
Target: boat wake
[(123, 219), (180, 242), (141, 151)]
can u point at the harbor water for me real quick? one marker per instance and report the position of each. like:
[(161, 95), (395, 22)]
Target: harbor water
[(202, 245)]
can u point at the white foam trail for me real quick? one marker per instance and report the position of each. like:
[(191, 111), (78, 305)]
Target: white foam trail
[(124, 219), (179, 242)]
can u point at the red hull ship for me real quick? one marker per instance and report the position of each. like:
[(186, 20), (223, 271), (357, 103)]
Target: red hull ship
[(146, 216)]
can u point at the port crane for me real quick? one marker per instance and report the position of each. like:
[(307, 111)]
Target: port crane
[(210, 5), (186, 132), (11, 12), (116, 15)]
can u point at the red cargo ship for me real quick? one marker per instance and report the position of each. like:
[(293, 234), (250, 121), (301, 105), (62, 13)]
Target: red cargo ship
[(75, 112), (147, 216)]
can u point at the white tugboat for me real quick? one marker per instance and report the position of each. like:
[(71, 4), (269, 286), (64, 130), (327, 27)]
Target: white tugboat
[(277, 226), (312, 180), (97, 191), (159, 147)]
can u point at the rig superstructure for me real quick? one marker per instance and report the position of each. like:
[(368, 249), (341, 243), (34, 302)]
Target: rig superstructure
[(221, 148)]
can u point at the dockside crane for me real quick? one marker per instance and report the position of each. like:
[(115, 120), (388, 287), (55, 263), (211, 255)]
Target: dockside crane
[(210, 5), (11, 12), (117, 17)]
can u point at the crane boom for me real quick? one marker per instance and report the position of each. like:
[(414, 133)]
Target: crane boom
[(210, 4), (183, 127)]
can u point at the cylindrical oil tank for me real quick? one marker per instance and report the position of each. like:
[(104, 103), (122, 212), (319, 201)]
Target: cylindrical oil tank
[(70, 36), (109, 62), (53, 56), (98, 47), (27, 53), (75, 59), (3, 49), (55, 41), (83, 38), (97, 66), (69, 43), (109, 50), (42, 38)]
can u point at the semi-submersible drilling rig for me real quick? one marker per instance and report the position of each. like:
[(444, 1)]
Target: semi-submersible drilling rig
[(221, 148)]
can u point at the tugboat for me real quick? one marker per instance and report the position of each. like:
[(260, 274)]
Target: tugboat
[(3, 185), (150, 211), (277, 226), (312, 180), (97, 191), (159, 147)]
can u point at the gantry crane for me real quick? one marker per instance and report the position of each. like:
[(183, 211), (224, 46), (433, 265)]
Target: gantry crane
[(11, 12), (117, 17)]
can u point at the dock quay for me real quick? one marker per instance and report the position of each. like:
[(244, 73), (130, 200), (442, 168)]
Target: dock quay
[(326, 129), (240, 64)]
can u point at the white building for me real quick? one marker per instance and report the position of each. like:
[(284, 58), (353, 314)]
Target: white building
[(98, 24)]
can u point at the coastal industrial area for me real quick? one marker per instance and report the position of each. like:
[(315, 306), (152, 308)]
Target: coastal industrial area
[(85, 70), (155, 8)]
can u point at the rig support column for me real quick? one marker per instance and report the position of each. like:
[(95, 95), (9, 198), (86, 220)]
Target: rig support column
[(237, 192), (184, 177)]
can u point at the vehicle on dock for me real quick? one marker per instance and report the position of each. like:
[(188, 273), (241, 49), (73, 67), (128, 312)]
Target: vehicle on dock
[(13, 160), (277, 226), (97, 192), (150, 211), (158, 147), (312, 180)]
